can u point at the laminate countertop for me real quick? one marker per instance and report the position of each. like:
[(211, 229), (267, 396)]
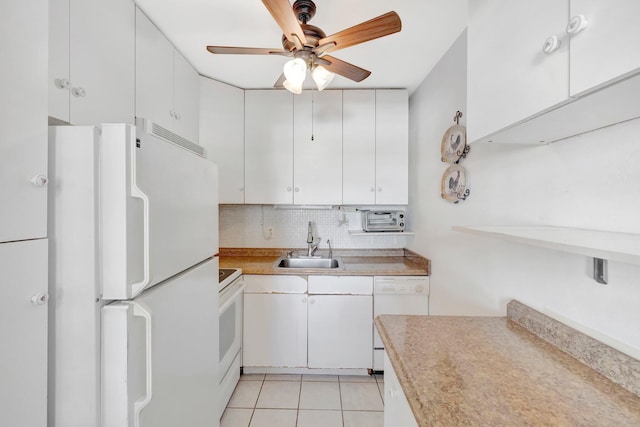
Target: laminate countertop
[(490, 371), (356, 262)]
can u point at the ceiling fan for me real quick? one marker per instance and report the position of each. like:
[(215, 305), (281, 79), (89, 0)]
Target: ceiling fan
[(309, 45)]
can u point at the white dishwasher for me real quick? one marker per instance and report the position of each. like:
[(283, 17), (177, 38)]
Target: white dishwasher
[(397, 295)]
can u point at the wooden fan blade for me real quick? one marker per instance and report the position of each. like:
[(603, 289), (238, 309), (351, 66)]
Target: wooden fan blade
[(246, 50), (280, 81), (286, 19), (345, 69), (381, 26)]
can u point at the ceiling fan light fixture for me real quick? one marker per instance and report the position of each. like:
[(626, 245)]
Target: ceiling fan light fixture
[(293, 87), (322, 77)]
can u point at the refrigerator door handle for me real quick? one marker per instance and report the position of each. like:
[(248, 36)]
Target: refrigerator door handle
[(138, 406), (136, 288)]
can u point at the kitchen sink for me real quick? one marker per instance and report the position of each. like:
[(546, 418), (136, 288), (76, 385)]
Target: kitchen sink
[(306, 262)]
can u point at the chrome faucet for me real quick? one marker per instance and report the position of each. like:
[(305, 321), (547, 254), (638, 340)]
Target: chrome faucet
[(311, 248), (330, 250)]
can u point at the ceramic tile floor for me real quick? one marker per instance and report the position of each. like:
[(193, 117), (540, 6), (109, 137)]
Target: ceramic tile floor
[(261, 400)]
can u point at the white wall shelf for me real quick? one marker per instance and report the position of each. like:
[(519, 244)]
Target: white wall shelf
[(380, 233), (608, 245)]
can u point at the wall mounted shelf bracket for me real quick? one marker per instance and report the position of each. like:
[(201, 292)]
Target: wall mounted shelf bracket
[(601, 270)]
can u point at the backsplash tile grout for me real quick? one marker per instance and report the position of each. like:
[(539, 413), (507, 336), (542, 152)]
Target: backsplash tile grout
[(263, 226)]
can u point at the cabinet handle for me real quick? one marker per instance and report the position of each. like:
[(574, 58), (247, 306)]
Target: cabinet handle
[(172, 113), (304, 299), (39, 181), (62, 83), (78, 92), (379, 189), (241, 189), (372, 189), (289, 189), (551, 44), (177, 116), (312, 300), (297, 189), (577, 24)]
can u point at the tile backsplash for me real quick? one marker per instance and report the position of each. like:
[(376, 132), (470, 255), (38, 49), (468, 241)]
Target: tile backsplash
[(265, 226)]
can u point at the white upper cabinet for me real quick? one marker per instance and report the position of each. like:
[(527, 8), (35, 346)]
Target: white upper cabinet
[(186, 98), (327, 148), (91, 61), (23, 122), (509, 77), (533, 69), (608, 47), (317, 148), (268, 147), (167, 85), (359, 147), (222, 135), (376, 147), (392, 147), (154, 73)]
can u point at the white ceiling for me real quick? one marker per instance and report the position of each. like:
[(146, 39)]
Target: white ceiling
[(400, 60)]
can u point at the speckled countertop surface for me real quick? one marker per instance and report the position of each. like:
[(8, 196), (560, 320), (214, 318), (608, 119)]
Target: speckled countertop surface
[(357, 262), (490, 371)]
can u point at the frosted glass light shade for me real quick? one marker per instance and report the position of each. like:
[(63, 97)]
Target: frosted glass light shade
[(295, 71), (293, 87), (322, 77)]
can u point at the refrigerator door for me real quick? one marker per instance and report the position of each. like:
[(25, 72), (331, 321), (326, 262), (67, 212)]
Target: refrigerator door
[(158, 210), (160, 354)]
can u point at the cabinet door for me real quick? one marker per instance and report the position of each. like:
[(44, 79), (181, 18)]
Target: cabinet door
[(23, 332), (392, 147), (154, 73), (222, 134), (317, 148), (102, 61), (397, 411), (509, 78), (275, 330), (23, 122), (352, 316), (609, 47), (186, 98), (359, 147), (269, 147), (59, 90)]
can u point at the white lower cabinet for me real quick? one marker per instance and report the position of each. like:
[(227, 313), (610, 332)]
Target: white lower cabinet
[(275, 321), (397, 411), (330, 327), (340, 314)]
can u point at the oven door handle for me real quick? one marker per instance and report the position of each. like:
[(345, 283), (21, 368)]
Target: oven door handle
[(232, 298)]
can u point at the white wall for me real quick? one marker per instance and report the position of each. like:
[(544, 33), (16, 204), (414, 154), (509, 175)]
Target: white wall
[(589, 181), (247, 226)]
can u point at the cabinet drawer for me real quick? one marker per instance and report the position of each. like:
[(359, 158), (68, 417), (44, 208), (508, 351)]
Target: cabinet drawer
[(266, 284), (345, 285)]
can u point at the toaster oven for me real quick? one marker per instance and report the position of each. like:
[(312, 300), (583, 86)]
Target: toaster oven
[(383, 220)]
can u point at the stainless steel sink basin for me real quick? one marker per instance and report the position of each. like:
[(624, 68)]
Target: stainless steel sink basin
[(323, 263)]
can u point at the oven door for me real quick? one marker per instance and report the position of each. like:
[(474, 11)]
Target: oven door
[(230, 314)]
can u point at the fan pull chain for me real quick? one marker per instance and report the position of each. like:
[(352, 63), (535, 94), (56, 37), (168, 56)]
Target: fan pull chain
[(312, 114)]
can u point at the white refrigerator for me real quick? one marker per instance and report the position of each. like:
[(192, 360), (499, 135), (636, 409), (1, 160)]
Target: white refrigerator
[(133, 226)]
